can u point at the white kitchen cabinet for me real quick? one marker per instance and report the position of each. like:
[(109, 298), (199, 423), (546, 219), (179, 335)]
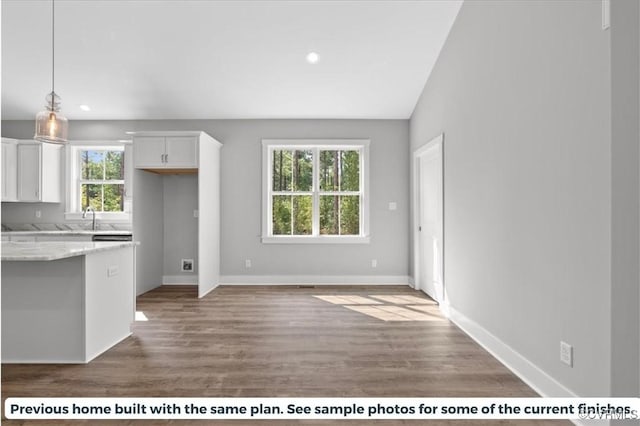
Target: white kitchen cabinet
[(9, 169), (39, 171), (165, 152), (190, 204)]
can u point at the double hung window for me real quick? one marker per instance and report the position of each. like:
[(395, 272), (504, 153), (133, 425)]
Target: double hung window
[(315, 191)]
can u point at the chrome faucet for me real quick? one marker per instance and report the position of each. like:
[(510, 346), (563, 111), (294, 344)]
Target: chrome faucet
[(84, 216)]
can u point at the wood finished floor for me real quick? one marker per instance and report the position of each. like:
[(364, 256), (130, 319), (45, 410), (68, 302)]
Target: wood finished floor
[(279, 342)]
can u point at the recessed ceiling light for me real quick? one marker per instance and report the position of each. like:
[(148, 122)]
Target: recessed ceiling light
[(85, 107), (313, 57)]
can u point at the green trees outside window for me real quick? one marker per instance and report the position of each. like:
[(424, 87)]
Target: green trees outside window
[(296, 187), (102, 180)]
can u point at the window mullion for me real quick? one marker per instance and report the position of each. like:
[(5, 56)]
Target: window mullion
[(315, 216), (270, 165), (361, 200)]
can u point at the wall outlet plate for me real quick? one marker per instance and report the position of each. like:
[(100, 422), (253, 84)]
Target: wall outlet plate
[(566, 353)]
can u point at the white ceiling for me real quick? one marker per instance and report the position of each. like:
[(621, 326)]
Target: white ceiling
[(145, 59)]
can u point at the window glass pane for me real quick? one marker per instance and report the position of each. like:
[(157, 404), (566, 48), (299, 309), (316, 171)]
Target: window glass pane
[(113, 198), (350, 215), (302, 223), (281, 215), (114, 165), (329, 175), (349, 171), (340, 215), (302, 170), (91, 195), (339, 170), (292, 170), (281, 170), (92, 164), (329, 214), (292, 215)]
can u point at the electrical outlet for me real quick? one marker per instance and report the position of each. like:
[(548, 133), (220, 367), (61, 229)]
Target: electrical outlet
[(247, 263), (374, 263), (38, 214), (393, 206), (195, 213), (112, 270), (566, 353)]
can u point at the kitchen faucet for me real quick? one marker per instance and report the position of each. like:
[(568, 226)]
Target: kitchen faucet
[(84, 216)]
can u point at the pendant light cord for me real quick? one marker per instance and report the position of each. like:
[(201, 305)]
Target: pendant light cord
[(53, 47)]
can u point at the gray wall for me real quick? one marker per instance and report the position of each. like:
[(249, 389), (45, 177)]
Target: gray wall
[(522, 94), (625, 210), (241, 192), (180, 226)]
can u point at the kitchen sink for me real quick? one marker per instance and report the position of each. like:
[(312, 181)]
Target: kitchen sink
[(111, 237)]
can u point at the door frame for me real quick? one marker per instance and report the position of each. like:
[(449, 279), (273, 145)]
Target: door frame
[(436, 143)]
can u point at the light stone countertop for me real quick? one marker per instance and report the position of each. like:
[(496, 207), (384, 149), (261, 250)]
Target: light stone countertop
[(70, 232), (31, 251)]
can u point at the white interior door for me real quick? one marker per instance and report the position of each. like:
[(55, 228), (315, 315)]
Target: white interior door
[(429, 233)]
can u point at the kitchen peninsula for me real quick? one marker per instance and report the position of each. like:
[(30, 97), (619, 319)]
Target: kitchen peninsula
[(64, 301)]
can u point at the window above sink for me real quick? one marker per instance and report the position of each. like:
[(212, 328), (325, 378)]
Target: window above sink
[(99, 176)]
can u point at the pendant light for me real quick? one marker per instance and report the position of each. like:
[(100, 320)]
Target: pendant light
[(51, 125)]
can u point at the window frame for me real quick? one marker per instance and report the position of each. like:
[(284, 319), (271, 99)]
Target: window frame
[(315, 145), (73, 208)]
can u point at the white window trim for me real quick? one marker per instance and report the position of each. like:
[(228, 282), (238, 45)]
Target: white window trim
[(72, 171), (268, 145)]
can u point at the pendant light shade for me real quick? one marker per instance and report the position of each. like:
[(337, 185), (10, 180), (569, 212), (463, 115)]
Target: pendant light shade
[(51, 125)]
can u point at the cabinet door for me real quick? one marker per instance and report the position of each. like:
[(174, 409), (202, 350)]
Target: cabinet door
[(28, 172), (9, 171), (50, 172), (182, 152), (148, 151)]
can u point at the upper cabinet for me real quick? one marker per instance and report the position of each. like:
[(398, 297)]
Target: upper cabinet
[(165, 152), (31, 171), (9, 169), (39, 171)]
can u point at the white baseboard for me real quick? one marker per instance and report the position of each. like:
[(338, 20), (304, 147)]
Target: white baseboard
[(531, 374), (179, 280), (315, 279), (412, 283), (528, 372)]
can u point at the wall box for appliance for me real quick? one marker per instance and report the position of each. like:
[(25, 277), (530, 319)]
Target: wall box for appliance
[(31, 171), (166, 153)]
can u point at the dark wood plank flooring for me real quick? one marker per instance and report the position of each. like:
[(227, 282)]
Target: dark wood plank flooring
[(256, 341)]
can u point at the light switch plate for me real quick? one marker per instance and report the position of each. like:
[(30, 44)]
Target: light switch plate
[(566, 353)]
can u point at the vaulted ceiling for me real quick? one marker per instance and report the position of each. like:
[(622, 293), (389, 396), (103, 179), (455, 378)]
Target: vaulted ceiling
[(183, 59)]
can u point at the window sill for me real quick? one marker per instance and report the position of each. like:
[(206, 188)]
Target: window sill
[(325, 239), (101, 216)]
